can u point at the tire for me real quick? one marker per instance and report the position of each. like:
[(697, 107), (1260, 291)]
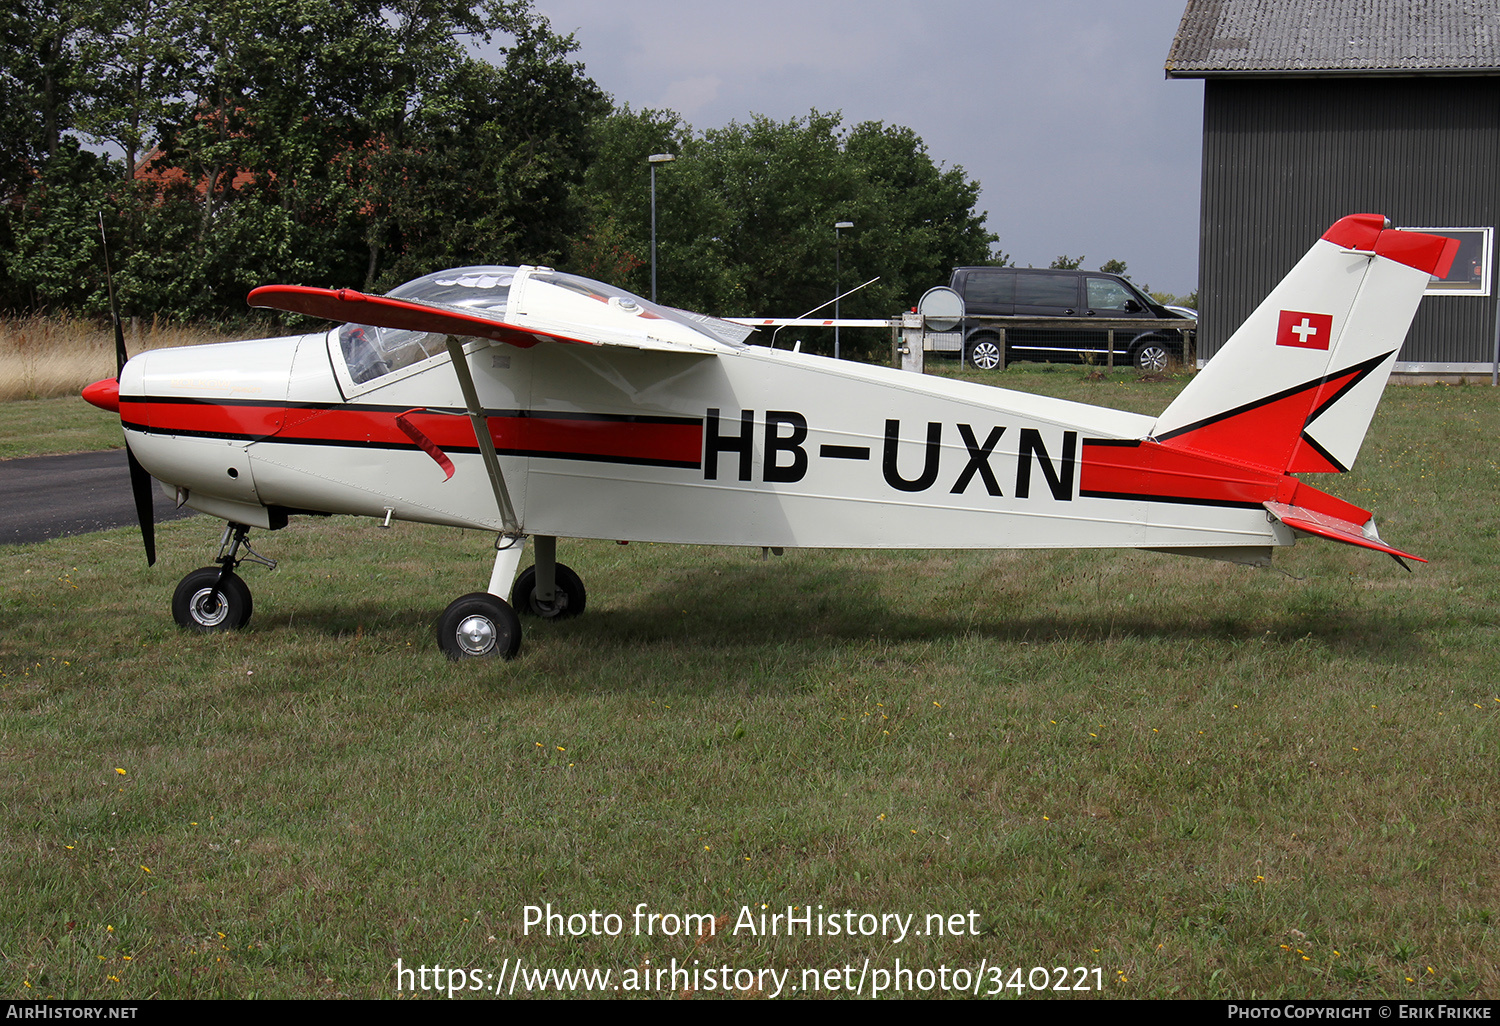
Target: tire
[(203, 603), (569, 602), (1152, 355), (479, 626), (985, 354)]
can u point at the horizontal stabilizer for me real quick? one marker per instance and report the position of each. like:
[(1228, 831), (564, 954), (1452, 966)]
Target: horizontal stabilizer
[(1331, 527)]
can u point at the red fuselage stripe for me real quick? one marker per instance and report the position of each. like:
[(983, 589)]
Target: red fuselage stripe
[(1155, 472), (610, 439), (1151, 472)]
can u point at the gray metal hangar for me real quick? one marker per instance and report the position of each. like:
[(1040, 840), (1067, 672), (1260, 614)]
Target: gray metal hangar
[(1313, 109)]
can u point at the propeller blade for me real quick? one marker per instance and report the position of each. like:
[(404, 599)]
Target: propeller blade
[(140, 480), (114, 311), (140, 488), (121, 356)]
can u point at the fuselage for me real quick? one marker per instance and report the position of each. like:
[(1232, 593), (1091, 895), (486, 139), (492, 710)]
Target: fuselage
[(739, 446), (539, 405)]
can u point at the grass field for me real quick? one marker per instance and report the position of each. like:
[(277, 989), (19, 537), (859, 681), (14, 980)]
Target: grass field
[(1199, 780)]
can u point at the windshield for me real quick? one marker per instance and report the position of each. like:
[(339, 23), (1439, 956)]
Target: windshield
[(725, 332), (371, 352)]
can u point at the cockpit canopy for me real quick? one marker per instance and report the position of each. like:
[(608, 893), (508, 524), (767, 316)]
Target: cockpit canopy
[(372, 352)]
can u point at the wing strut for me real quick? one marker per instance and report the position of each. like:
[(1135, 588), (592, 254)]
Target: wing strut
[(482, 436)]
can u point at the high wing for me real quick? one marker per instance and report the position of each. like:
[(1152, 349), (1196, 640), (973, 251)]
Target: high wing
[(385, 312), (538, 306)]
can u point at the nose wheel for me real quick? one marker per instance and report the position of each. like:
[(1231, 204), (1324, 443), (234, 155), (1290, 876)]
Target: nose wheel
[(214, 598)]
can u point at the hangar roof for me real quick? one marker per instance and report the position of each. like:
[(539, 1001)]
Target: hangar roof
[(1336, 37)]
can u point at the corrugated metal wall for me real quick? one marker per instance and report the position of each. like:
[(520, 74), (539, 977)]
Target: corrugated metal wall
[(1285, 158)]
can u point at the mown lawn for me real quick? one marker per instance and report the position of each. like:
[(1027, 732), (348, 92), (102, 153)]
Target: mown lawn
[(1199, 779)]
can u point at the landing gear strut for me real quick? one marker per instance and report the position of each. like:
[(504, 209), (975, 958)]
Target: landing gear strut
[(214, 598), (483, 624), (549, 589)]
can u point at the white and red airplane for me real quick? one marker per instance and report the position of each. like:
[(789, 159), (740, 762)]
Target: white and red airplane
[(541, 405)]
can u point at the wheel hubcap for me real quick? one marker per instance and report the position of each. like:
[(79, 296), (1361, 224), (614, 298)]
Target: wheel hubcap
[(1154, 359), (476, 635), (208, 607)]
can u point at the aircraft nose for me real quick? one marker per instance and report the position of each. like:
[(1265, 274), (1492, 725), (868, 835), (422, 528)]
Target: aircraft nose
[(104, 394)]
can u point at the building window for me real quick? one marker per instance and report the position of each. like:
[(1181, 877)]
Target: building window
[(1470, 273)]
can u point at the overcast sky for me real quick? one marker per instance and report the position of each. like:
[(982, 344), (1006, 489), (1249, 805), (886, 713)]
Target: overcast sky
[(1060, 109)]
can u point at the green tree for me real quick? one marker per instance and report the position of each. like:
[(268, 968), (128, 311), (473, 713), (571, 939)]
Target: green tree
[(1067, 263), (332, 141), (614, 196), (133, 56), (38, 60), (485, 169), (746, 214), (922, 218), (54, 229), (39, 74)]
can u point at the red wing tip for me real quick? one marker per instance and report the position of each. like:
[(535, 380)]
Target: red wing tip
[(276, 296), (271, 290)]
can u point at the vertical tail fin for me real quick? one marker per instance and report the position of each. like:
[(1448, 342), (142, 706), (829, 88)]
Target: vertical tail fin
[(1293, 390)]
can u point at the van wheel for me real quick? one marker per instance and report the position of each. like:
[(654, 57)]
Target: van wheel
[(1151, 356), (985, 354)]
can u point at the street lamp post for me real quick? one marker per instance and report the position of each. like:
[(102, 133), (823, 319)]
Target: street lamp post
[(836, 286), (653, 160)]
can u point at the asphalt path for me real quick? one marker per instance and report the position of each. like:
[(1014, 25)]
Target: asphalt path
[(45, 497)]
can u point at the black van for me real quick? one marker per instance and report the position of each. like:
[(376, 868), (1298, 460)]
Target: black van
[(1026, 292)]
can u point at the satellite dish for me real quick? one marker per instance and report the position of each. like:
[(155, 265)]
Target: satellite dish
[(942, 308)]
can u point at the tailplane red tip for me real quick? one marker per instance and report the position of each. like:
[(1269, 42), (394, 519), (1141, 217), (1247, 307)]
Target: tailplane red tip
[(1357, 231)]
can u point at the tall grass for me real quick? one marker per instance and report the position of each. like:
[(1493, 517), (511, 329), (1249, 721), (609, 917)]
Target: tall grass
[(44, 356)]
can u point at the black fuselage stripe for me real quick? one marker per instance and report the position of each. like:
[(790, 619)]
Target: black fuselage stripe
[(1180, 500)]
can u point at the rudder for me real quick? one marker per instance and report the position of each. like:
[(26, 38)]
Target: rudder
[(1295, 387)]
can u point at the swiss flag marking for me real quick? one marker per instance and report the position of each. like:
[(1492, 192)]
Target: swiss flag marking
[(1304, 330)]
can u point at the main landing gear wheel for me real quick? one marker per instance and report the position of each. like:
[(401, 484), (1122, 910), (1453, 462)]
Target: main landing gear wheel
[(479, 626), (202, 602), (569, 600)]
